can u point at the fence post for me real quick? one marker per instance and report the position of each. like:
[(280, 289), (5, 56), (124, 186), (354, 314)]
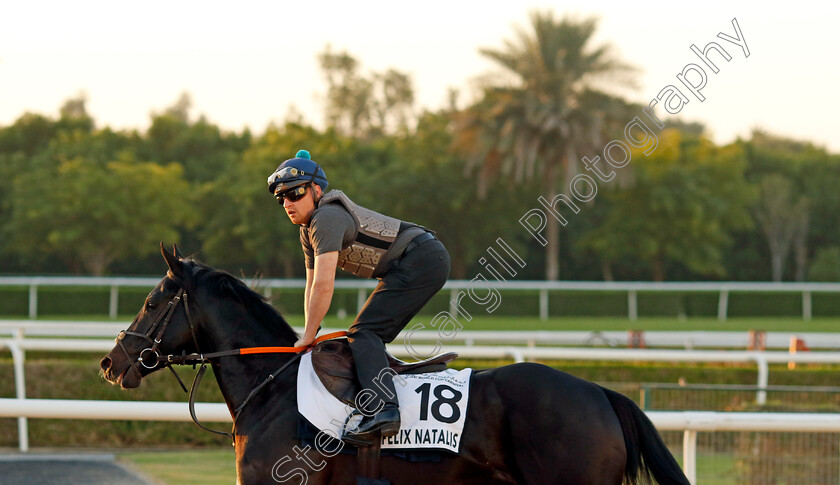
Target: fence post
[(643, 397), (543, 304), (516, 354), (806, 306), (20, 392), (361, 297), (33, 301), (632, 305), (690, 455), (763, 378), (723, 305), (114, 303)]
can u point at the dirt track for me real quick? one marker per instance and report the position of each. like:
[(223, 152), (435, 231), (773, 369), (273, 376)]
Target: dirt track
[(65, 470)]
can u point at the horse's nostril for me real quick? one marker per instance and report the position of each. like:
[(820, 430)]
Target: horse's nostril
[(105, 363)]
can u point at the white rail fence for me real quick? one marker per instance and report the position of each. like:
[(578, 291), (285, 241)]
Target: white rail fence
[(723, 289), (686, 339), (689, 422), (18, 347)]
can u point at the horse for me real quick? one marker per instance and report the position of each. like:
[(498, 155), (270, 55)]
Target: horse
[(527, 423)]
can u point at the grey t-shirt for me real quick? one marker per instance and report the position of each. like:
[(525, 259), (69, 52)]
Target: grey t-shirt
[(332, 228)]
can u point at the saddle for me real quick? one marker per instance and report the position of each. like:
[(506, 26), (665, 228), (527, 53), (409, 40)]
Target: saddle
[(333, 363)]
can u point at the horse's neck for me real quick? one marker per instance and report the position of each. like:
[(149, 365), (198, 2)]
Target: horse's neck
[(238, 375), (237, 378)]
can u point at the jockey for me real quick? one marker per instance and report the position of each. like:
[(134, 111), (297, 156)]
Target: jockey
[(410, 263)]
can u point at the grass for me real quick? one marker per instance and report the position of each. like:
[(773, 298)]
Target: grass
[(173, 467), (713, 468), (217, 467), (740, 324), (770, 324), (84, 300), (653, 323)]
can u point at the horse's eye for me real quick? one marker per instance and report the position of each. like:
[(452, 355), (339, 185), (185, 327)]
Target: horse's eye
[(150, 306)]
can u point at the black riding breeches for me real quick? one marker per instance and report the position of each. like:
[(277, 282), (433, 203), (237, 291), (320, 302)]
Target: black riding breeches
[(404, 289)]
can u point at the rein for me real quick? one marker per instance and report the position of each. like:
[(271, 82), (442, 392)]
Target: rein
[(185, 359)]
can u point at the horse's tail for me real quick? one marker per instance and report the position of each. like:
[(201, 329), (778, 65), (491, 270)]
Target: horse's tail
[(646, 452)]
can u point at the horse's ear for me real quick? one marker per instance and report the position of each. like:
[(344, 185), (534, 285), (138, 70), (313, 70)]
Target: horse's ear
[(177, 252), (176, 267)]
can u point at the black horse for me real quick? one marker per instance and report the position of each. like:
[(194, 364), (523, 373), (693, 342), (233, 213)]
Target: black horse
[(527, 423)]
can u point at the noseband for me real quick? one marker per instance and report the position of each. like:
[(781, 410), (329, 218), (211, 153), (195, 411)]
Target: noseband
[(152, 357), (166, 316)]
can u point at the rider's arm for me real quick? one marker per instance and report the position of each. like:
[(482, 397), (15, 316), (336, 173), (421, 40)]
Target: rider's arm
[(319, 293), (310, 273)]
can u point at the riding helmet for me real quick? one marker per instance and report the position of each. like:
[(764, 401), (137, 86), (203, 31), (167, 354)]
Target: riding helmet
[(295, 172)]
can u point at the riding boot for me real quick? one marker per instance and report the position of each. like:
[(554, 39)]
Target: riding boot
[(386, 422), (374, 374)]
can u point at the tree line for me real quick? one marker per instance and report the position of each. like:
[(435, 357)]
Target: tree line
[(77, 198)]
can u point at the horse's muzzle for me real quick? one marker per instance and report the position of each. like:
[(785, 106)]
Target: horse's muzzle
[(105, 364), (127, 377)]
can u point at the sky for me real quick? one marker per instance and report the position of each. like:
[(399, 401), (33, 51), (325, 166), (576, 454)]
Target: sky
[(245, 63)]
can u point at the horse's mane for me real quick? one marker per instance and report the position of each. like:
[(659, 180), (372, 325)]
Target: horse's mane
[(222, 284)]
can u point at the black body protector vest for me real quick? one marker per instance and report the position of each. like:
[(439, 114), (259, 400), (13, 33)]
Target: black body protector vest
[(375, 234)]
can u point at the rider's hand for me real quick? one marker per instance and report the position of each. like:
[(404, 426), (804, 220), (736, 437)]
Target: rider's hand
[(304, 341)]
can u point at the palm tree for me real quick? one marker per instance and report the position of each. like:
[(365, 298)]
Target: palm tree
[(549, 109)]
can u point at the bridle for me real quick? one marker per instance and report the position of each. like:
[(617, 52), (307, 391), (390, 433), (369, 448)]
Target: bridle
[(165, 316), (186, 359)]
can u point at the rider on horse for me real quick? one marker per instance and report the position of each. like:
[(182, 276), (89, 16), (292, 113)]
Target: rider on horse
[(410, 263)]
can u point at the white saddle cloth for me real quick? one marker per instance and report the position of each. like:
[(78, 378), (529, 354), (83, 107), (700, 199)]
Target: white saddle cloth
[(433, 407)]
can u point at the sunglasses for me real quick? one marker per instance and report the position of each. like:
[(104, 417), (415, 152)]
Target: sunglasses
[(293, 195)]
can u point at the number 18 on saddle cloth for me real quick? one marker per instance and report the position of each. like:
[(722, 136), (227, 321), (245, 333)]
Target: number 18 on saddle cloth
[(433, 407)]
